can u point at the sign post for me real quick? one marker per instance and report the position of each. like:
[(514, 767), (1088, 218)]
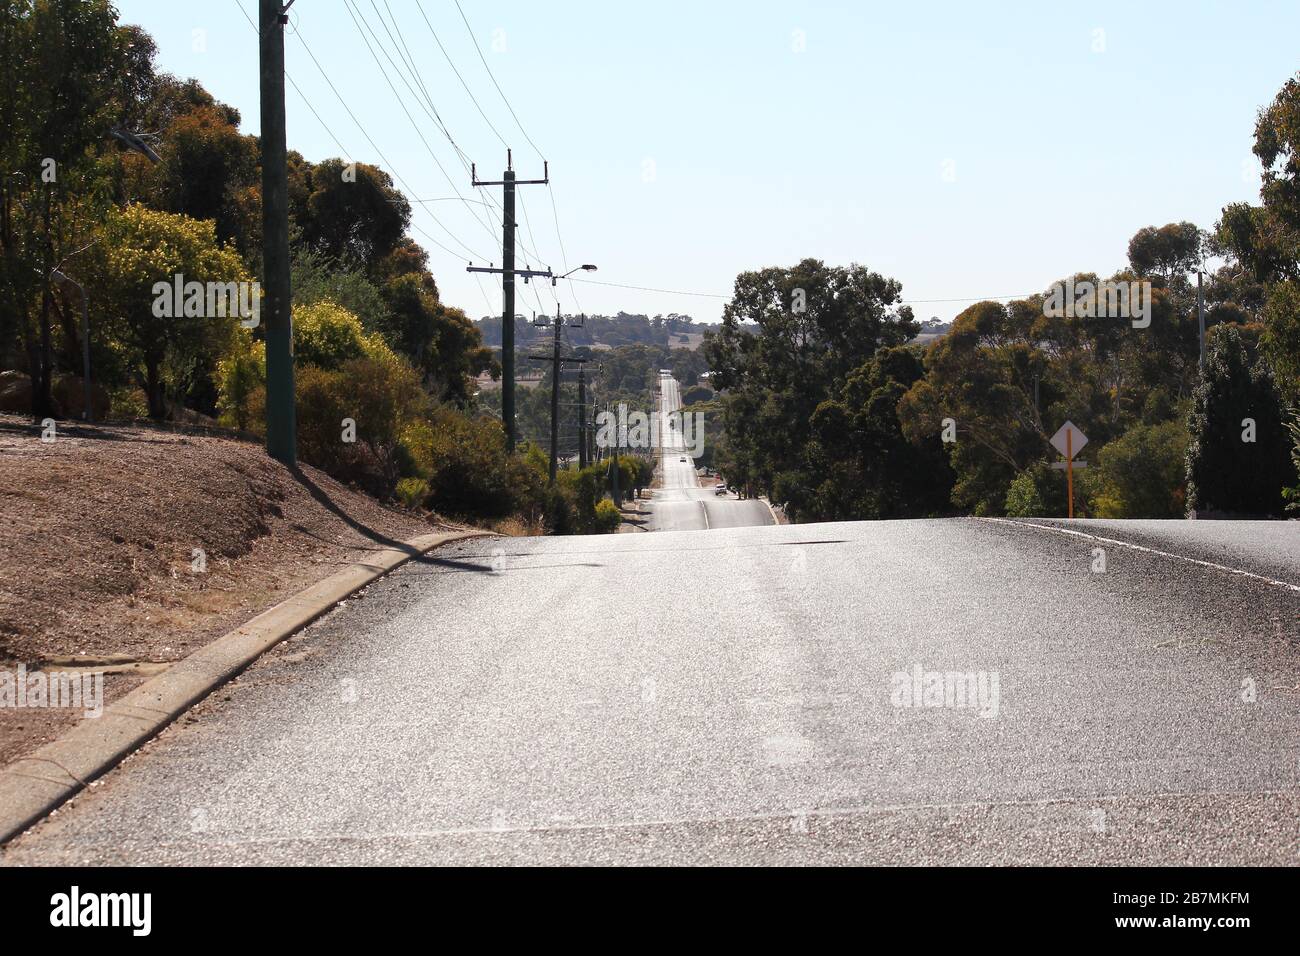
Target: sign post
[(1069, 441)]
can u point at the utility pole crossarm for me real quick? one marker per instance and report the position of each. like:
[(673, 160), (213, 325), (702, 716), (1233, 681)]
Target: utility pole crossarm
[(545, 180), (526, 273), (516, 182)]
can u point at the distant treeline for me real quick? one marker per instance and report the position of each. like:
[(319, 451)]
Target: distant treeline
[(625, 328), (832, 407)]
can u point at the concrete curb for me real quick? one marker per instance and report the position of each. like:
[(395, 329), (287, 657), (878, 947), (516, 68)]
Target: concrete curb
[(32, 786), (772, 511)]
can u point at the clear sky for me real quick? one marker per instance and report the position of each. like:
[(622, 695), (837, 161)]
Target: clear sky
[(969, 150)]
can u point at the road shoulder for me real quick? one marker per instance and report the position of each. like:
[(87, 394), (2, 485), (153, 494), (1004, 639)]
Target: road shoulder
[(35, 784)]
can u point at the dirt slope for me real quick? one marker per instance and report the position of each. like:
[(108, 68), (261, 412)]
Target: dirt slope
[(98, 533)]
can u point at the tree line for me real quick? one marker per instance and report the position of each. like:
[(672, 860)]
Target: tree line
[(117, 177), (830, 408)]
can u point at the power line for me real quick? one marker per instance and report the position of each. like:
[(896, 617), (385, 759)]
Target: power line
[(491, 308), (479, 50), (346, 152), (460, 153), (380, 153), (359, 19), (523, 207), (641, 288), (564, 256), (430, 109), (409, 61), (447, 57), (495, 83)]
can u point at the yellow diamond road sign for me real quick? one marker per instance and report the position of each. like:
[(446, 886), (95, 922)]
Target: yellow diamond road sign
[(1068, 440)]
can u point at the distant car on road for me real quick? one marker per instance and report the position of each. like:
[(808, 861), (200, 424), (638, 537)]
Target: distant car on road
[(720, 490), (683, 458)]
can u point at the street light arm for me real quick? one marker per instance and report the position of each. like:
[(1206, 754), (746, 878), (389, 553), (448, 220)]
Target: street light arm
[(585, 267), (134, 142)]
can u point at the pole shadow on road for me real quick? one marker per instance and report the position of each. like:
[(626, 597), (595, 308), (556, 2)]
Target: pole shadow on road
[(454, 567)]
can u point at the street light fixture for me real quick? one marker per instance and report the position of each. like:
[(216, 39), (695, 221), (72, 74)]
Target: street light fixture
[(134, 142), (585, 267)]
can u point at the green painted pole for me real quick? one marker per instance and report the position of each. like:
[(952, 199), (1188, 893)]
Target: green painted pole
[(276, 311)]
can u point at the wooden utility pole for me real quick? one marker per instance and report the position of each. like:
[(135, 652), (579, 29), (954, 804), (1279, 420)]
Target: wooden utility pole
[(508, 182), (277, 309), (582, 418), (555, 359)]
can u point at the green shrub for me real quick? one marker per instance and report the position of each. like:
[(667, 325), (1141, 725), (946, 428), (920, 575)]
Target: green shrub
[(241, 385), (1141, 474), (559, 510), (584, 490), (381, 393), (128, 401), (379, 396), (328, 335), (171, 358), (1281, 338), (1037, 492), (412, 491), (321, 410), (607, 517), (465, 462), (1292, 494)]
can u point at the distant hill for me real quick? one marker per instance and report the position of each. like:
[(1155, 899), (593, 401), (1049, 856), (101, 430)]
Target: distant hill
[(931, 330), (625, 328), (673, 331)]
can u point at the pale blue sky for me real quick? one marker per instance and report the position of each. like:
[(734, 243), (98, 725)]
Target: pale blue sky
[(763, 154)]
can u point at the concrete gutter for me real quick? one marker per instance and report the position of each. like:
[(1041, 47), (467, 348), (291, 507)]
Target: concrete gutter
[(32, 786), (775, 519)]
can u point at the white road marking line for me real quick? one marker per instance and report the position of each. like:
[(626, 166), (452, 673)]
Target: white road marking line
[(1138, 547)]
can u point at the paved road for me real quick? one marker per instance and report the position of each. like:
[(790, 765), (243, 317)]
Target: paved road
[(734, 697), (1270, 548), (680, 504)]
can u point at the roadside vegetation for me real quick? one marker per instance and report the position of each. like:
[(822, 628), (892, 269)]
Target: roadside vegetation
[(385, 370), (830, 408), (816, 390)]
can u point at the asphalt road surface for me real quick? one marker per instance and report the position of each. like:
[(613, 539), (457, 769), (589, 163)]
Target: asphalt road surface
[(679, 503), (754, 695)]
